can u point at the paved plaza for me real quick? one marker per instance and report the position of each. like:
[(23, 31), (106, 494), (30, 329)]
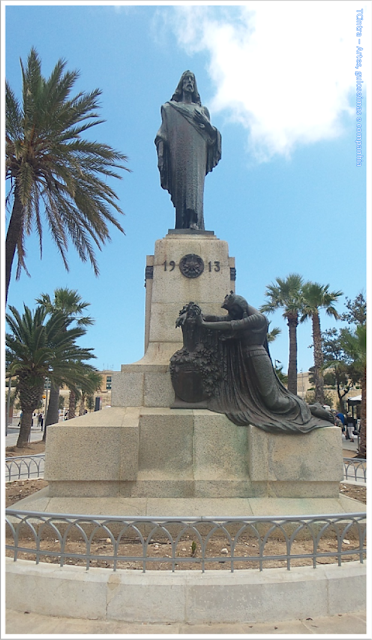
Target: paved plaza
[(32, 623), (13, 433)]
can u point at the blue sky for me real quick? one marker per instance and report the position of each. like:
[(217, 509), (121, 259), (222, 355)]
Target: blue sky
[(279, 81)]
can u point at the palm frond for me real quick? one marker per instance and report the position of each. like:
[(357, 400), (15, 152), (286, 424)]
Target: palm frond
[(54, 169)]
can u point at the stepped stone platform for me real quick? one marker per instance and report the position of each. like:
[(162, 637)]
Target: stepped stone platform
[(140, 461), (141, 457)]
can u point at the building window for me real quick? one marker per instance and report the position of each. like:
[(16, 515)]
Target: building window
[(108, 382)]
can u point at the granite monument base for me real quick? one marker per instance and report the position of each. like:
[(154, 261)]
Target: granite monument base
[(174, 462)]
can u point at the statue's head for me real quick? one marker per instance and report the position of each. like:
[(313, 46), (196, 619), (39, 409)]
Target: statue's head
[(237, 306), (177, 96)]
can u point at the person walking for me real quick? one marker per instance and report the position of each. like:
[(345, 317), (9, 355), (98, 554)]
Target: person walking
[(342, 421), (350, 426)]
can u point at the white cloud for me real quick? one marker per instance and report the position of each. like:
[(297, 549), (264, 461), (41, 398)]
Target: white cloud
[(283, 69)]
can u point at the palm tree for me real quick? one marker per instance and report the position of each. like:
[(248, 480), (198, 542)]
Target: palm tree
[(87, 385), (316, 297), (70, 303), (286, 294), (273, 334), (37, 348), (50, 166), (92, 384)]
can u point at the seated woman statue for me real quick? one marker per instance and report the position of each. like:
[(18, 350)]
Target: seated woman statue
[(250, 391)]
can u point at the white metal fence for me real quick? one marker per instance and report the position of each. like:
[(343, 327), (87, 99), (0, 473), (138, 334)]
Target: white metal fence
[(24, 467), (193, 543)]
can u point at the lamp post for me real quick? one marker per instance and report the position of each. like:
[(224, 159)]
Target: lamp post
[(8, 405), (302, 384), (46, 389)]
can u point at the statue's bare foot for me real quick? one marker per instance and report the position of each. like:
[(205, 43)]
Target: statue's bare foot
[(319, 412), (193, 226)]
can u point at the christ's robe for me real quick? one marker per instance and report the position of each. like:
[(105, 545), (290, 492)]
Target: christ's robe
[(186, 152)]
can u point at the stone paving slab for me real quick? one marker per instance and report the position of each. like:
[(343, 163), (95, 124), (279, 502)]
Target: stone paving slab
[(32, 623), (11, 439)]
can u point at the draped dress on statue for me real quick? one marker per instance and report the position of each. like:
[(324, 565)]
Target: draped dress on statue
[(188, 153), (251, 392)]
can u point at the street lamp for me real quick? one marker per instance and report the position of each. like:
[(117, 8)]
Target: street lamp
[(46, 389), (302, 384), (8, 406)]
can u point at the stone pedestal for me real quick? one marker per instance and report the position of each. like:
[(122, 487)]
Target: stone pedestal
[(141, 452), (141, 461), (140, 457), (173, 280), (210, 277)]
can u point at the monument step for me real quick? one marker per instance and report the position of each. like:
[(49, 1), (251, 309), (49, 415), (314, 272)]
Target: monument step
[(159, 452)]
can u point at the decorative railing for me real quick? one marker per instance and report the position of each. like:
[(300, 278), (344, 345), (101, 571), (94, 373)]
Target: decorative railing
[(24, 467), (145, 543), (355, 469)]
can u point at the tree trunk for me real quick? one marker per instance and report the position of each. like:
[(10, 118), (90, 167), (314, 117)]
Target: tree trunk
[(29, 398), (53, 406), (362, 453), (72, 405), (82, 405), (13, 234), (318, 360), (341, 395), (25, 428), (292, 365)]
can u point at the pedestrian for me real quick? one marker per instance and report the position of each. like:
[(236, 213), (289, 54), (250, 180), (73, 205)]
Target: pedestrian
[(40, 421), (350, 426), (341, 416)]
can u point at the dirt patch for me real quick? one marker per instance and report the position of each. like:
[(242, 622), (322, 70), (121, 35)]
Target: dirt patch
[(19, 489), (29, 450), (347, 453), (187, 556), (354, 491)]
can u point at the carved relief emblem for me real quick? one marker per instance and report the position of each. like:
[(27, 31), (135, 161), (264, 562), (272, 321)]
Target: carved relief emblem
[(191, 266)]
